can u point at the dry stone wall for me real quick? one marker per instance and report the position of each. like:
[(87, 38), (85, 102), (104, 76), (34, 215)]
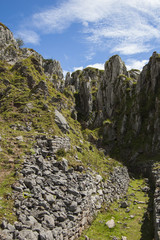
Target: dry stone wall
[(156, 206), (47, 147), (53, 201)]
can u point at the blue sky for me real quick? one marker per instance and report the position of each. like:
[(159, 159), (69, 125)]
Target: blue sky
[(80, 33)]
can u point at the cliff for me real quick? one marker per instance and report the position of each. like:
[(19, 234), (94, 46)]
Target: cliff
[(123, 105)]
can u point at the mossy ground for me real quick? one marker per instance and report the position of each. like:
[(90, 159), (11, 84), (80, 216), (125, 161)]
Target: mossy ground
[(135, 225)]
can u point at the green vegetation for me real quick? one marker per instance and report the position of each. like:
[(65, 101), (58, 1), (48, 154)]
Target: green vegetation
[(19, 42), (129, 224), (61, 152), (107, 121), (6, 201), (5, 27)]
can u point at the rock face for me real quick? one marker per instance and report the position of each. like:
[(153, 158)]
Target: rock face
[(85, 85), (9, 49), (109, 92), (53, 70), (8, 45), (6, 37), (124, 105), (61, 121), (100, 92), (54, 201)]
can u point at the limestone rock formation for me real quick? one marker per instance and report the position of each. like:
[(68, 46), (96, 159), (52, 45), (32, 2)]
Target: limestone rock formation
[(9, 49), (111, 87), (11, 53), (6, 37), (53, 70), (124, 104), (61, 121), (86, 85)]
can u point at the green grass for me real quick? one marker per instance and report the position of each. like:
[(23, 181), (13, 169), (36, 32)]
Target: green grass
[(132, 228), (6, 201)]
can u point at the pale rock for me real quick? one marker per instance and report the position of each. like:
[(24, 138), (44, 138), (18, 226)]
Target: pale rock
[(61, 121), (124, 238), (19, 138), (110, 223), (27, 234)]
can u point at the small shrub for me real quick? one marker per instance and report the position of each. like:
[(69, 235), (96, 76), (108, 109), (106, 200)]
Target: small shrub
[(19, 42), (108, 121), (61, 152)]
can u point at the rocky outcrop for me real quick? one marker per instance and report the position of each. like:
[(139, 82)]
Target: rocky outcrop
[(85, 85), (53, 201), (9, 49), (125, 105), (27, 52), (11, 53), (99, 93), (61, 121), (6, 37), (111, 89), (53, 70)]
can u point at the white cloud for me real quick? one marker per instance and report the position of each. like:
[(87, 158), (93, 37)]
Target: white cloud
[(28, 36), (65, 72), (90, 54), (135, 64), (85, 24), (97, 65), (77, 68), (131, 48), (59, 18), (127, 27)]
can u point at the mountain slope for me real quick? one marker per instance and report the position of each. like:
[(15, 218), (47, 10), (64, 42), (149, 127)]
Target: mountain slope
[(57, 134)]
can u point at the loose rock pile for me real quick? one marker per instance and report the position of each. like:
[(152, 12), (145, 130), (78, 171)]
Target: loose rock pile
[(53, 201)]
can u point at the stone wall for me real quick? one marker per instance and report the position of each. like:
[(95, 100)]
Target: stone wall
[(47, 147), (53, 201), (156, 206)]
